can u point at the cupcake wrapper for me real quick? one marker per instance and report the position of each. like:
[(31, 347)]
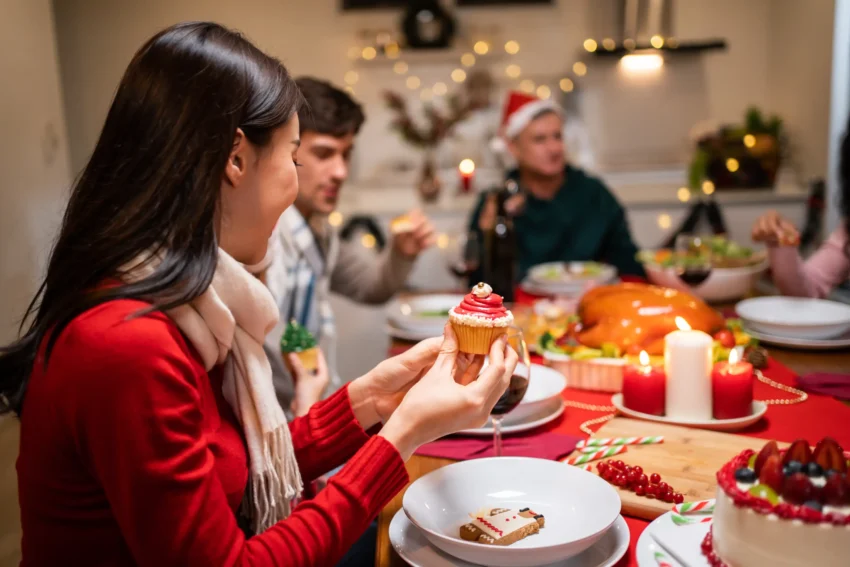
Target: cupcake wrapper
[(309, 359), (476, 340)]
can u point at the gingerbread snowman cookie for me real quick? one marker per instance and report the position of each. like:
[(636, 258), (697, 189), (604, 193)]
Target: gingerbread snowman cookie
[(501, 526)]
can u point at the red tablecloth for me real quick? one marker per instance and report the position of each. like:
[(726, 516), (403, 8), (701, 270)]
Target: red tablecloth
[(817, 417)]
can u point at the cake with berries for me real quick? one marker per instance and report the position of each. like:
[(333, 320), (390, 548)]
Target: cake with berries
[(782, 508)]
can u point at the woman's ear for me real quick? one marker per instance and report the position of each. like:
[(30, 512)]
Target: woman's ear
[(237, 162)]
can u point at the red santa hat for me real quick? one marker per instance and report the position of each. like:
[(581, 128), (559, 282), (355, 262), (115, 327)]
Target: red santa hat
[(519, 110)]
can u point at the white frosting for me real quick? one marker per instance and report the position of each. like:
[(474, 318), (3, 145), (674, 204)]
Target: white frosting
[(502, 524), (477, 321), (482, 290), (744, 538)]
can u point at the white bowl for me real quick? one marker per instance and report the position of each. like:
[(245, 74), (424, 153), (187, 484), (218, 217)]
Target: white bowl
[(569, 280), (405, 313), (723, 284), (795, 317), (578, 506)]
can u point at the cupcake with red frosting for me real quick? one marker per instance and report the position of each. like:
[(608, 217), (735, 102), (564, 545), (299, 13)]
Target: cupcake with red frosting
[(480, 319)]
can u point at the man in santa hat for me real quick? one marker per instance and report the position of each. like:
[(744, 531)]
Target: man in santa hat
[(561, 214)]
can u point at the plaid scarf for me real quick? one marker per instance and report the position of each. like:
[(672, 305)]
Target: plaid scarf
[(299, 279)]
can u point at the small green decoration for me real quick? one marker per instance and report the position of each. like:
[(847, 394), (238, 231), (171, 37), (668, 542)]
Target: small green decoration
[(296, 338)]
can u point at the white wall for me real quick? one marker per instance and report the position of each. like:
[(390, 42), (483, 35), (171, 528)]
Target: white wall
[(35, 174), (98, 37), (799, 71), (33, 152)]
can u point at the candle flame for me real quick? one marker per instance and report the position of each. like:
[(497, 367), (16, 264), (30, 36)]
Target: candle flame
[(734, 356), (467, 166), (682, 324), (644, 358)]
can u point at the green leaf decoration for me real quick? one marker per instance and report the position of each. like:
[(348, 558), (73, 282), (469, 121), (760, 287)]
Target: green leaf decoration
[(296, 338)]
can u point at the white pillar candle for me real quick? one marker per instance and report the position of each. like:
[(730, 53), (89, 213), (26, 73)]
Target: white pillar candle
[(687, 363)]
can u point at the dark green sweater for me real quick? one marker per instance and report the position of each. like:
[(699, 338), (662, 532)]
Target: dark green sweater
[(583, 222)]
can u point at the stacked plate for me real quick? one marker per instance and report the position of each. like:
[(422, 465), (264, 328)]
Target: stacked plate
[(420, 317), (567, 279), (797, 321), (583, 526), (541, 404)]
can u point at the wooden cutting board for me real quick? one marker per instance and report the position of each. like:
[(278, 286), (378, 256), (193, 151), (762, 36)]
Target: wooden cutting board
[(687, 460)]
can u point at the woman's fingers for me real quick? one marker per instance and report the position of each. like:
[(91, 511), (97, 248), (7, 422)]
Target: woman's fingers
[(471, 371)]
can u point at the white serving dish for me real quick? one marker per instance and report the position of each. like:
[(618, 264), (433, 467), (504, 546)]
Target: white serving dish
[(795, 317), (544, 386), (411, 545), (569, 279), (579, 507), (723, 284), (547, 414)]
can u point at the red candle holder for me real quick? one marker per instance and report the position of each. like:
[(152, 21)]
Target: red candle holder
[(644, 387), (732, 388)]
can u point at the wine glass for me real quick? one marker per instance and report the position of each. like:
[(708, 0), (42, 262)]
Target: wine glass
[(692, 259), (463, 255), (516, 389)]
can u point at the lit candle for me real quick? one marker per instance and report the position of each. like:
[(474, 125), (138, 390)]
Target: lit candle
[(687, 364), (644, 387), (732, 386), (467, 171)]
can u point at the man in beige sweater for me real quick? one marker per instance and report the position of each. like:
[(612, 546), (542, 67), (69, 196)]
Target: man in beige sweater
[(308, 258)]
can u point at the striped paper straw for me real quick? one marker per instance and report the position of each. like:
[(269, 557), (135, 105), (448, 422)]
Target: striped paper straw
[(680, 520), (602, 453), (607, 442), (662, 560), (700, 507)]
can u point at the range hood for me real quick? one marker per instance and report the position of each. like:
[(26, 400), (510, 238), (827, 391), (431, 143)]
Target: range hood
[(626, 26)]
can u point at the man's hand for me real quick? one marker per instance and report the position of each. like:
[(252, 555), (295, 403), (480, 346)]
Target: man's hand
[(417, 236)]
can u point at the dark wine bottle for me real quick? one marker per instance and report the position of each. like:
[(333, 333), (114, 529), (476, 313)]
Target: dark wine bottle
[(500, 247)]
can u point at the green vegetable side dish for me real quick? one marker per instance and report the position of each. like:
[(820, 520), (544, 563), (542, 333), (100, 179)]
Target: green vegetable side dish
[(296, 338), (561, 272), (724, 253), (435, 313)]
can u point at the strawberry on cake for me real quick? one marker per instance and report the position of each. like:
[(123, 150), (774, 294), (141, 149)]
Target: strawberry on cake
[(782, 508)]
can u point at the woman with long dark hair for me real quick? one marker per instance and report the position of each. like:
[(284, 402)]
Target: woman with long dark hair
[(829, 266), (149, 421)]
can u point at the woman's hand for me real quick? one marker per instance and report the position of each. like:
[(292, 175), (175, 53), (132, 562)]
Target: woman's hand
[(309, 386), (774, 230), (448, 397)]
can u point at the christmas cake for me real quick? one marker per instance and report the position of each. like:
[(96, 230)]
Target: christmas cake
[(782, 508)]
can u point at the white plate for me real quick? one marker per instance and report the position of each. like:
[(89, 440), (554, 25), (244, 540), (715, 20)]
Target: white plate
[(402, 313), (544, 387), (759, 409), (807, 344), (412, 546), (546, 415), (795, 317), (680, 544), (579, 508)]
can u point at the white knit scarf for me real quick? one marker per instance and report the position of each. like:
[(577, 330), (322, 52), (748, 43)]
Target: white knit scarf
[(227, 325)]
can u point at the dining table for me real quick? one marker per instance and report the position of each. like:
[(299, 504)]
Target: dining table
[(817, 417)]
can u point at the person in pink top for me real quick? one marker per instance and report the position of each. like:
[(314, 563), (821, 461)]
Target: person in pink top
[(828, 267)]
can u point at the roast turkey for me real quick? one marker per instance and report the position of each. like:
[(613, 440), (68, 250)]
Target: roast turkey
[(637, 316)]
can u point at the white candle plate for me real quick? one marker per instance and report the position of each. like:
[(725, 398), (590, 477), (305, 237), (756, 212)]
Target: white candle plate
[(759, 409)]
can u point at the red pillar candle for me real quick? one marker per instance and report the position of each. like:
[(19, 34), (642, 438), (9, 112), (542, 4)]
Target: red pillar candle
[(644, 387), (732, 388), (467, 172)]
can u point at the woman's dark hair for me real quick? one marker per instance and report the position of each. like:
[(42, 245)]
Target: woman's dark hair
[(153, 182), (327, 109)]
